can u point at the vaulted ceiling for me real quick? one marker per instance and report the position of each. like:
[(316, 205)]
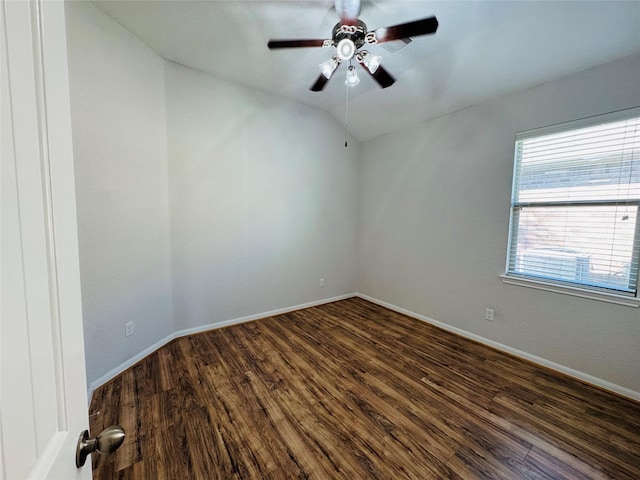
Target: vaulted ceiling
[(482, 49)]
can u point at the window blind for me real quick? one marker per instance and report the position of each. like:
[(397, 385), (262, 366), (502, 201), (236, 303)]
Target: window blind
[(575, 202)]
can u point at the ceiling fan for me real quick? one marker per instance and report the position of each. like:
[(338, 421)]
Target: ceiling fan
[(349, 35)]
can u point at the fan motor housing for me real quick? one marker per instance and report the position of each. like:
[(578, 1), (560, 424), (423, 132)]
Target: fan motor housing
[(356, 33)]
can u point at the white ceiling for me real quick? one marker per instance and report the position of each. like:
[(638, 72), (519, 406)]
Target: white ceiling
[(482, 49)]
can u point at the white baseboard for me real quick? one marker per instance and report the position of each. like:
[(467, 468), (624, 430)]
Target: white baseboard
[(111, 374), (114, 372), (258, 316), (598, 382), (612, 387)]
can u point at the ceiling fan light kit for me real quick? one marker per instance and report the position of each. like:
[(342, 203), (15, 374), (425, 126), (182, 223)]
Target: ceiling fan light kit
[(349, 35)]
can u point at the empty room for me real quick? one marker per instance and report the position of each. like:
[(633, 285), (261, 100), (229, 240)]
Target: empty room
[(320, 239)]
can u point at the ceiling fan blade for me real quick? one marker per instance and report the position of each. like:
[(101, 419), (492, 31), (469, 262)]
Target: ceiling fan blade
[(321, 82), (348, 10), (295, 43), (381, 76), (425, 26)]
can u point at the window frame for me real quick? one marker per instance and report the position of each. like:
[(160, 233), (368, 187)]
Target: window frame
[(558, 285)]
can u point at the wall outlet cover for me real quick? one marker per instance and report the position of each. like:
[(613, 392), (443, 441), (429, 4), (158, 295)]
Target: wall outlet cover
[(128, 329)]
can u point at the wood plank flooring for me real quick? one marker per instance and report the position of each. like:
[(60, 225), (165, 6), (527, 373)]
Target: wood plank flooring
[(352, 390)]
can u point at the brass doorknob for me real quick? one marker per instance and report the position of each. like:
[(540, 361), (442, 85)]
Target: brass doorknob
[(107, 442)]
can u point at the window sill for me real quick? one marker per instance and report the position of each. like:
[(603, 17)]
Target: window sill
[(576, 292)]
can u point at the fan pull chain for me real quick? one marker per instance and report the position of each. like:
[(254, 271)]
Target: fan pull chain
[(346, 115)]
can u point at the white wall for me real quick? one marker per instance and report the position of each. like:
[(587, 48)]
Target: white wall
[(263, 201), (119, 132), (434, 217)]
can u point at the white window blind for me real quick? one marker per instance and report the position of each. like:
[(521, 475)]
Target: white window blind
[(575, 202)]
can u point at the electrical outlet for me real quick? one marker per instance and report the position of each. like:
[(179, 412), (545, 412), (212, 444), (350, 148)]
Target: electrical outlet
[(489, 314), (322, 282), (128, 329)]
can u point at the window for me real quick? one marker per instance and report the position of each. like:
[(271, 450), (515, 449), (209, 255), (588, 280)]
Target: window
[(575, 202)]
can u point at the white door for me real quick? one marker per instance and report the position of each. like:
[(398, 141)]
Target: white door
[(43, 404)]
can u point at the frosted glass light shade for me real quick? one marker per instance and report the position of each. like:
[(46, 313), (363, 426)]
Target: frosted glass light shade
[(327, 68), (372, 62), (352, 77), (346, 49)]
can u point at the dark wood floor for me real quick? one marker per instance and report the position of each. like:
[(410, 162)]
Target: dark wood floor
[(352, 390)]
